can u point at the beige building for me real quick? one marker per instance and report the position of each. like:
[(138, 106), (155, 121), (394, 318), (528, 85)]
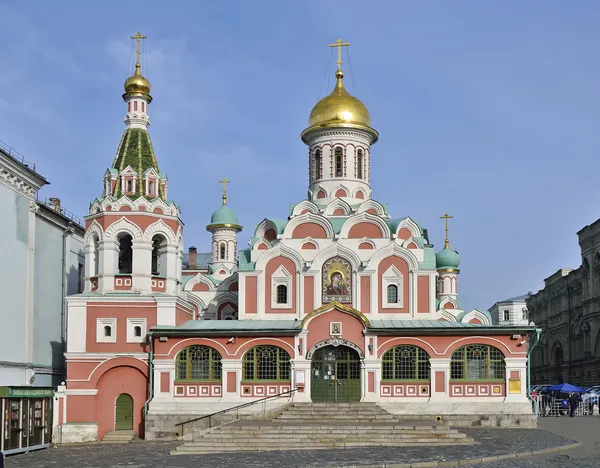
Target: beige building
[(568, 311)]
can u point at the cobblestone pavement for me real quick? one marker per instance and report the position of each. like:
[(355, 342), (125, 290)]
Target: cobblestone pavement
[(491, 442)]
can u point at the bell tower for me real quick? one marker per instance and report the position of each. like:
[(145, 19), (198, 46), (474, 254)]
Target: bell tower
[(133, 231), (339, 138)]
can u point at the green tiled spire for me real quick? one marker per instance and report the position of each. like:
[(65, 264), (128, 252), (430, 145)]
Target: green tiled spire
[(135, 150)]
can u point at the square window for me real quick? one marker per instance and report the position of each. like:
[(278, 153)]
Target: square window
[(136, 330), (106, 330)]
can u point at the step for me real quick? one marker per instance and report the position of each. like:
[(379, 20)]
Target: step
[(275, 436), (182, 450), (119, 437)]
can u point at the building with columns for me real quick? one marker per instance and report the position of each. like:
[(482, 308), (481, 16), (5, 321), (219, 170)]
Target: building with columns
[(338, 300), (568, 310), (42, 263)]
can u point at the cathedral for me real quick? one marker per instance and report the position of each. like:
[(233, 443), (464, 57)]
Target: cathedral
[(336, 301)]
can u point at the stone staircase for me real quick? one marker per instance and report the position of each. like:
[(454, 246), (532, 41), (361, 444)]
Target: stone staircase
[(309, 426), (118, 437)]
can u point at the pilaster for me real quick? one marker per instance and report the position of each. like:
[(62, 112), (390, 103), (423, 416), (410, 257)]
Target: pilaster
[(164, 366), (301, 379), (371, 367), (232, 377), (142, 260), (516, 379), (108, 253), (440, 379)]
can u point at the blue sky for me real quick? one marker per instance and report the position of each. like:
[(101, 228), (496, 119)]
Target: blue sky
[(486, 110)]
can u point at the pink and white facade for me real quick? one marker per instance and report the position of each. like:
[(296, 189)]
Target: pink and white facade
[(339, 292)]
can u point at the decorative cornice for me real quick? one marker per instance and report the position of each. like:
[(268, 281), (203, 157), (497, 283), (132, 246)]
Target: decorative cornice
[(18, 183)]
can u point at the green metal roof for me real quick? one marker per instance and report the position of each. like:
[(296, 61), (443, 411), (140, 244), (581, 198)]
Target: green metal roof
[(237, 326), (388, 323), (136, 150), (244, 263), (224, 215), (280, 224), (337, 223), (293, 327)]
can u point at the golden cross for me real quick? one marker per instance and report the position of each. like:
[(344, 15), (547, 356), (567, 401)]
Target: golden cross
[(339, 44), (224, 182), (138, 37), (446, 217)]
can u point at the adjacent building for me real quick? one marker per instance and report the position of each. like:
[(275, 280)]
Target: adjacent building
[(337, 300), (568, 311), (42, 263), (512, 311)]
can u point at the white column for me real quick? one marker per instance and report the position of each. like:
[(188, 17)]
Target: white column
[(355, 288), (412, 294), (142, 262), (374, 366), (440, 365), (160, 366), (432, 298), (171, 253), (231, 365), (517, 366), (299, 295), (298, 367), (108, 257)]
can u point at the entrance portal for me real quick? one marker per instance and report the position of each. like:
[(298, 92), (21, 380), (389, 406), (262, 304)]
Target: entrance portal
[(124, 412), (335, 375)]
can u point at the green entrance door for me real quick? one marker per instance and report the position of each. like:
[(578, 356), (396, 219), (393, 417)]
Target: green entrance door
[(124, 412), (335, 375)]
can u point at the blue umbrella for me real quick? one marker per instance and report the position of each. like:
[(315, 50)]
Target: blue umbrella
[(566, 387)]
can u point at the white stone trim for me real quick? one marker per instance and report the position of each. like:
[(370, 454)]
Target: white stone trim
[(82, 392), (392, 277), (131, 324), (106, 322), (281, 277)]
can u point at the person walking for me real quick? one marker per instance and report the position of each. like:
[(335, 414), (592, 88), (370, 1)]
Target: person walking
[(573, 401)]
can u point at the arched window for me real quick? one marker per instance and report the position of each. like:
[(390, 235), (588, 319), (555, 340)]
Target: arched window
[(107, 331), (477, 362), (125, 254), (405, 362), (159, 263), (151, 187), (318, 160), (359, 164), (338, 161), (129, 186), (282, 294), (392, 294), (137, 331), (222, 252), (198, 363), (266, 363)]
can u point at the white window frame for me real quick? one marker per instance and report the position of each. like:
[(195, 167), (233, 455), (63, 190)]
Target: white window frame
[(106, 322), (392, 276), (281, 277), (131, 324)]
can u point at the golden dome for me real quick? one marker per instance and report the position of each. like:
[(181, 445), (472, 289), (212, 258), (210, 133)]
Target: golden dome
[(340, 109), (137, 84)]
